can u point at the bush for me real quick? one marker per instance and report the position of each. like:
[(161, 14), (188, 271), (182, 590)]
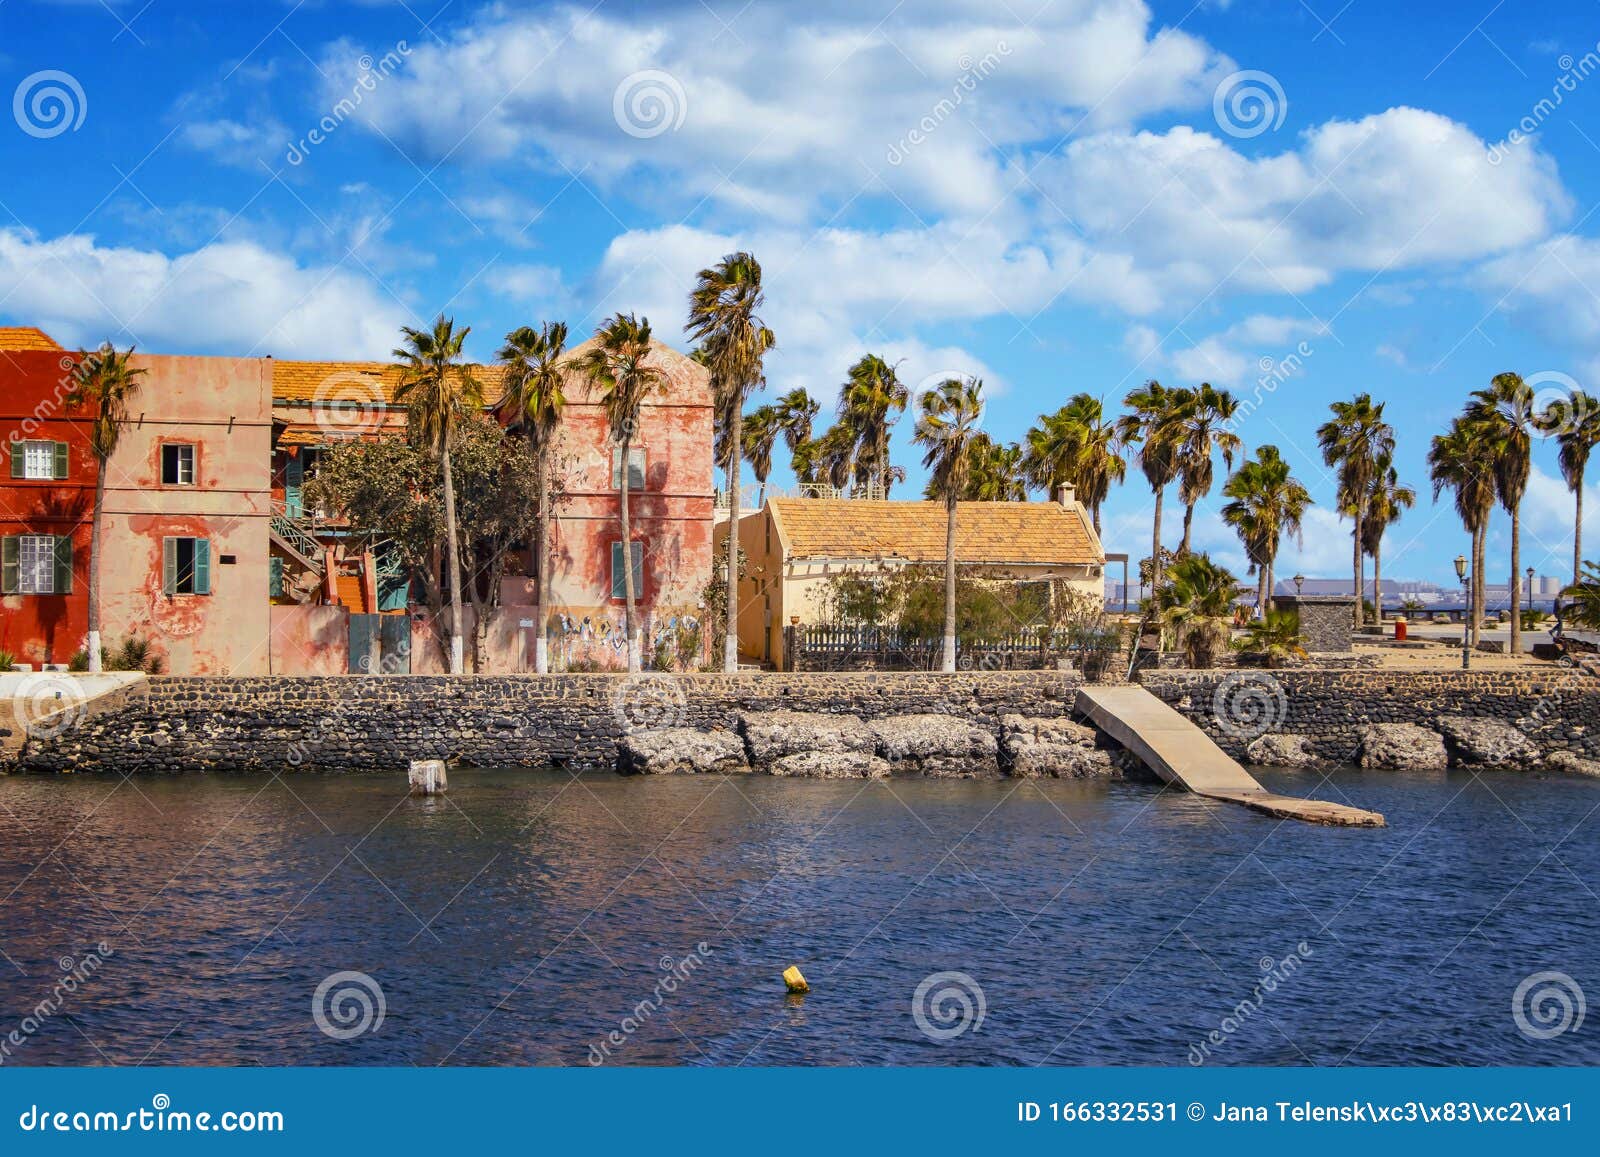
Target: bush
[(7, 660), (132, 654)]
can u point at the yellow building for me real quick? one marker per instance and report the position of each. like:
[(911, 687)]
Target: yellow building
[(793, 546)]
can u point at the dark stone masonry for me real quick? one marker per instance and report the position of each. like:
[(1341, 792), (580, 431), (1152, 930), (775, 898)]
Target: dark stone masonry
[(343, 723)]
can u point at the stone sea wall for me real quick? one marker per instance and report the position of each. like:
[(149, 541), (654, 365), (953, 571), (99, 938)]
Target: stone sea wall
[(1559, 710), (338, 723)]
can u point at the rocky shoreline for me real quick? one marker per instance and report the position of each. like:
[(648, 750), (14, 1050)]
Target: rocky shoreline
[(1454, 742)]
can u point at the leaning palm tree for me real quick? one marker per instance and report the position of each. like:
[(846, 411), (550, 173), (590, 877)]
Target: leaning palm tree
[(1503, 417), (439, 391), (760, 430), (617, 365), (1574, 422), (105, 382), (1205, 429), (534, 393), (1352, 442), (722, 317), (1153, 421), (1076, 446), (797, 410), (947, 427), (1387, 500), (870, 400), (1266, 503), (1457, 461)]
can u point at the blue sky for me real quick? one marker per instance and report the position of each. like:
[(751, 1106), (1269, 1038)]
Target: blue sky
[(1056, 196)]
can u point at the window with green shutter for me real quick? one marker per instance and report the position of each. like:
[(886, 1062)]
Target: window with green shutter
[(39, 461), (35, 564), (186, 566), (619, 589), (10, 563), (63, 564), (275, 577), (60, 458)]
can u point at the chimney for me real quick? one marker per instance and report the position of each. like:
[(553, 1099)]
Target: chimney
[(1067, 495)]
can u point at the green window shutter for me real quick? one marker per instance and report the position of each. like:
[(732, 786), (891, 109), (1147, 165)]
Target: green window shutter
[(294, 477), (63, 576), (202, 566), (275, 577), (10, 554), (617, 589), (17, 452), (169, 566), (61, 461), (638, 570)]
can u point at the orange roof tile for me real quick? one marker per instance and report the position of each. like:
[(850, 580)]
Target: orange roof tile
[(357, 383), (993, 533), (26, 337)]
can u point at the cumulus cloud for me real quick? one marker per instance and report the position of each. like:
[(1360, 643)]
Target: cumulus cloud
[(231, 297), (1554, 289)]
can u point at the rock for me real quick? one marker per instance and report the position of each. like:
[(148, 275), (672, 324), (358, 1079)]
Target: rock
[(1573, 763), (1402, 747), (830, 765), (681, 751), (1283, 749), (1487, 743), (772, 735), (1053, 747), (938, 745)]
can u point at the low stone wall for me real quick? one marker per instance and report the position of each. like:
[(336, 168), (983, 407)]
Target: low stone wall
[(381, 722), (1558, 710)]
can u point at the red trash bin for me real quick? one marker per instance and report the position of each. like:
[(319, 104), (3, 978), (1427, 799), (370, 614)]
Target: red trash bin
[(1400, 630)]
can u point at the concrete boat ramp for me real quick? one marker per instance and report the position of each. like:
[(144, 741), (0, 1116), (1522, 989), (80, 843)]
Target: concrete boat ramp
[(1181, 753)]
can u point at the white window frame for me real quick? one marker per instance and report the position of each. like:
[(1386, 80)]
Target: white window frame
[(36, 564), (636, 454), (39, 461), (182, 461)]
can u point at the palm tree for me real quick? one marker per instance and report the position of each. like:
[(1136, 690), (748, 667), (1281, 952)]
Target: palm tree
[(994, 474), (1153, 421), (616, 364), (761, 428), (1204, 428), (1198, 604), (1457, 460), (722, 316), (1583, 611), (533, 391), (1076, 446), (1574, 422), (105, 382), (1387, 500), (1503, 416), (1267, 502), (1352, 442), (947, 427), (869, 401), (440, 391)]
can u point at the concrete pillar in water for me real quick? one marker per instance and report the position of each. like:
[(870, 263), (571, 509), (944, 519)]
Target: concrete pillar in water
[(427, 777)]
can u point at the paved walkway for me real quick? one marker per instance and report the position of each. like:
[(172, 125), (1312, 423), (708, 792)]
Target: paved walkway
[(1179, 752)]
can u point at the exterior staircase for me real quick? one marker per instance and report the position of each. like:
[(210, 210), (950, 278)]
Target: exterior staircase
[(294, 537)]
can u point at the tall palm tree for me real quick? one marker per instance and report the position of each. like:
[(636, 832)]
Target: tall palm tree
[(870, 400), (722, 317), (1387, 500), (1457, 460), (1204, 429), (994, 474), (797, 410), (1152, 422), (617, 365), (534, 392), (1076, 446), (105, 382), (761, 428), (440, 390), (1352, 442), (1503, 415), (947, 427), (1267, 502), (1574, 422)]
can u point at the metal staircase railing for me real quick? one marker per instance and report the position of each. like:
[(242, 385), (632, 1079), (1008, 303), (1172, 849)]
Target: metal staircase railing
[(296, 536)]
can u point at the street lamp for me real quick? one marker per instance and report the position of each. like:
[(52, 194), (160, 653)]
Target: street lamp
[(1299, 581), (1466, 616)]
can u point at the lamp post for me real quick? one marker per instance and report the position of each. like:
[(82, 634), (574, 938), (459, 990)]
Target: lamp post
[(1299, 581), (1466, 616)]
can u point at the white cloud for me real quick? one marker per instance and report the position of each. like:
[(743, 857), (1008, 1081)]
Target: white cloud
[(230, 297), (1554, 289)]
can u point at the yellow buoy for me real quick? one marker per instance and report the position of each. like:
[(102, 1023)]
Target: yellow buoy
[(796, 982)]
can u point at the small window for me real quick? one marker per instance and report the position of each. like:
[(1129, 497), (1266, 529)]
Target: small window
[(35, 564), (177, 465), (635, 468), (619, 588), (186, 566), (39, 460)]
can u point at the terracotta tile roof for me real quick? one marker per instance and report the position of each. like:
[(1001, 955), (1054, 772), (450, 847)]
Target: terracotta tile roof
[(996, 533), (356, 383), (26, 337)]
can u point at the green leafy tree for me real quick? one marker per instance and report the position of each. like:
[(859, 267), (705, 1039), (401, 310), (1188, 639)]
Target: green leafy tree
[(946, 429), (1075, 446), (1197, 603), (870, 400), (1265, 503)]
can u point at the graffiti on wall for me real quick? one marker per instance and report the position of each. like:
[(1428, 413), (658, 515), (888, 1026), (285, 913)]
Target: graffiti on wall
[(600, 639)]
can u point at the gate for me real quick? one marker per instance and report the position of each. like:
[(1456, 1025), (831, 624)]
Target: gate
[(380, 645), (364, 644)]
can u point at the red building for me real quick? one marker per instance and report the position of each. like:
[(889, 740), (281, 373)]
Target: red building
[(46, 504)]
